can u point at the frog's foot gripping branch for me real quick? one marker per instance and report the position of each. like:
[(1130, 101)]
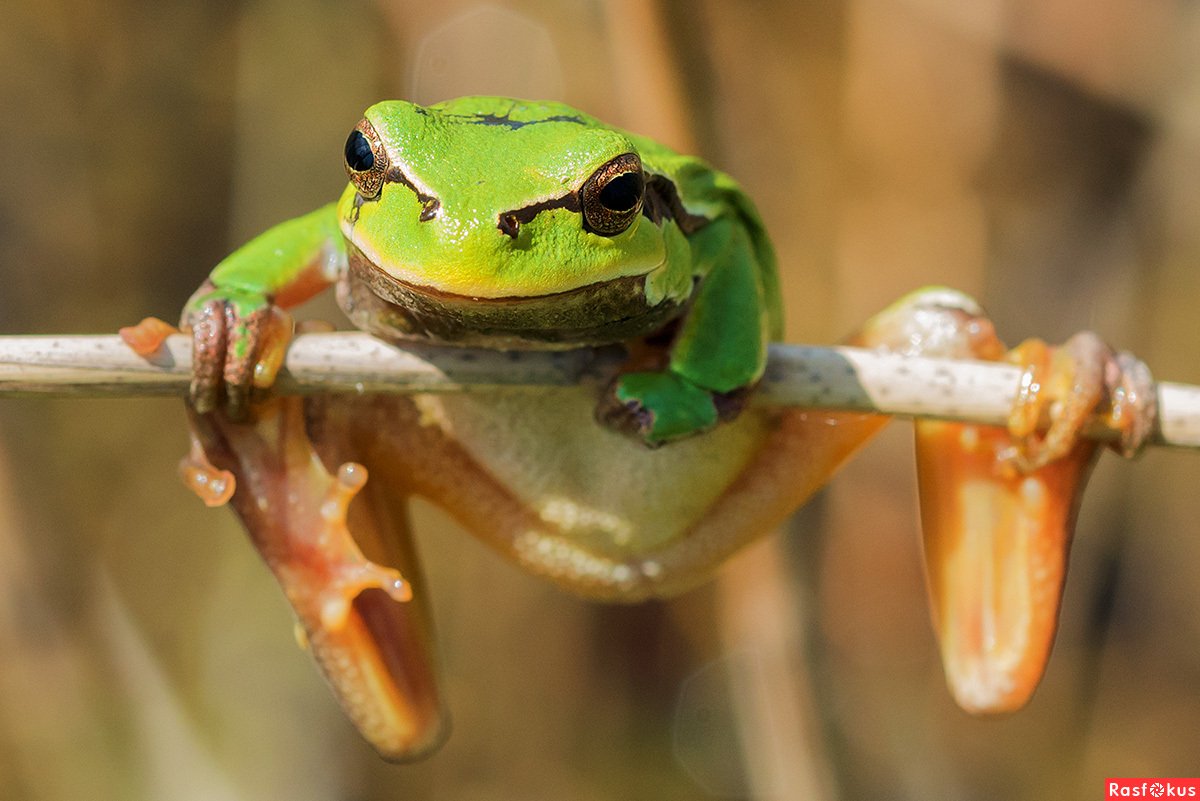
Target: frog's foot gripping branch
[(657, 407), (238, 347), (239, 340), (359, 619), (998, 511)]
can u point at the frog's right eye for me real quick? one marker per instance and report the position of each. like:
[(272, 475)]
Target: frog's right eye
[(366, 160)]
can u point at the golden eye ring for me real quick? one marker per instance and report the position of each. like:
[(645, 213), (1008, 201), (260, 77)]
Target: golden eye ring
[(366, 160), (611, 198)]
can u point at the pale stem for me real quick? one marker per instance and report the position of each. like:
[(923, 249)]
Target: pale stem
[(831, 378)]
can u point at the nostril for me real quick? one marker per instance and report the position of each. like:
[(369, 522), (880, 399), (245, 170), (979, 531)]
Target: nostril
[(509, 225), (430, 210)]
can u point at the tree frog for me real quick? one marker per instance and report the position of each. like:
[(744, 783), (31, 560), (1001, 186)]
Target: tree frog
[(507, 224)]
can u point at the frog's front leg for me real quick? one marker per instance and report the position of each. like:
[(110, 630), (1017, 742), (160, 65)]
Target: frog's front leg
[(998, 506), (365, 623), (719, 350), (239, 329)]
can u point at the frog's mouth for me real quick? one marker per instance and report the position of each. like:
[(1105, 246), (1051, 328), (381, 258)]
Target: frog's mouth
[(597, 314)]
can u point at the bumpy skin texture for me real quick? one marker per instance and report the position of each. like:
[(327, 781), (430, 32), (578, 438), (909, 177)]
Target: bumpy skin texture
[(509, 224)]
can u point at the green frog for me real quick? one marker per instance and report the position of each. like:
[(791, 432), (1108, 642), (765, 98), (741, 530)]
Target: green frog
[(505, 224)]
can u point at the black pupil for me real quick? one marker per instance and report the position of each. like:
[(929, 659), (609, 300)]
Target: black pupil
[(623, 192), (358, 152)]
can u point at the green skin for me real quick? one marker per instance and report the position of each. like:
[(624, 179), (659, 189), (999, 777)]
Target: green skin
[(430, 221)]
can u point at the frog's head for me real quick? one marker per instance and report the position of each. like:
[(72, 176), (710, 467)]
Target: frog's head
[(499, 222)]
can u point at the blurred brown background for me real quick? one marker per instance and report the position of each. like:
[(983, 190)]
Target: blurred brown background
[(1042, 155)]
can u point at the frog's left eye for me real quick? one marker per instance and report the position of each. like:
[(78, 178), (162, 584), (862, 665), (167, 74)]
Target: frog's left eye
[(611, 198), (366, 160)]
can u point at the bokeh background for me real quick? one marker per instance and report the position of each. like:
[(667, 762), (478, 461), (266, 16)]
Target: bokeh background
[(1041, 155)]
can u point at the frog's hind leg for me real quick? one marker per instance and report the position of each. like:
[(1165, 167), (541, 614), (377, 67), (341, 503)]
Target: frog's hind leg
[(340, 548), (998, 505)]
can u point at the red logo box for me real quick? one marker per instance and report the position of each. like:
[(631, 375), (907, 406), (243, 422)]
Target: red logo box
[(1151, 788)]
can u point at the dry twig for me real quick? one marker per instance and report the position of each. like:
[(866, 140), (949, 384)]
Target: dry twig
[(841, 378)]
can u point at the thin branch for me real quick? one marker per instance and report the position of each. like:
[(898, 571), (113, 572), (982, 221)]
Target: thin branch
[(835, 378)]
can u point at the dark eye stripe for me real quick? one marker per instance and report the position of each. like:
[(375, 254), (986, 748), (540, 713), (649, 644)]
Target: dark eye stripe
[(660, 202)]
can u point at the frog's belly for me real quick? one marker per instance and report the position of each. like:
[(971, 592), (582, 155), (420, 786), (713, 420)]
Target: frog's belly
[(596, 488)]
